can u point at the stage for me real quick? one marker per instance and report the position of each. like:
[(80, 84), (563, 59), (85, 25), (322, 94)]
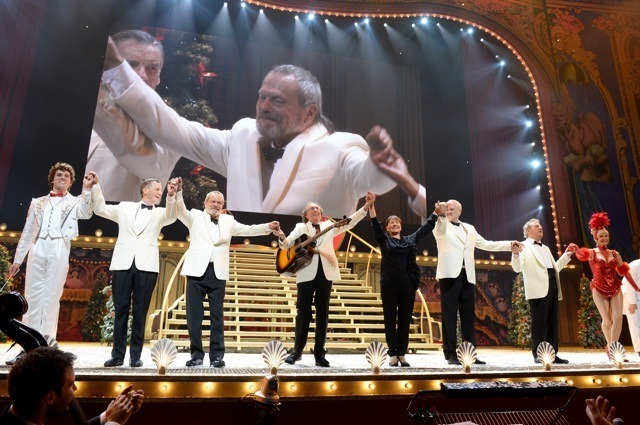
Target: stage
[(348, 382)]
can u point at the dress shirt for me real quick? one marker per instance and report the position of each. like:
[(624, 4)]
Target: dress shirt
[(543, 254)]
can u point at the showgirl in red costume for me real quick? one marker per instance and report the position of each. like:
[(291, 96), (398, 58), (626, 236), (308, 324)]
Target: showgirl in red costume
[(606, 264)]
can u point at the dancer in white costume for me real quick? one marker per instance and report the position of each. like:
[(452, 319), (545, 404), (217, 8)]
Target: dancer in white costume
[(52, 221)]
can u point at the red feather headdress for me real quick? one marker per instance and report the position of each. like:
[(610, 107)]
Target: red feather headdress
[(598, 221)]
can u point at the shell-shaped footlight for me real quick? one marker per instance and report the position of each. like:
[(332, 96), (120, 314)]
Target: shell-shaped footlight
[(546, 354), (274, 354), (376, 355), (163, 353), (467, 355), (616, 354)]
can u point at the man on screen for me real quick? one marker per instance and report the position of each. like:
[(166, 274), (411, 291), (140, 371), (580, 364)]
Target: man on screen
[(119, 151), (276, 163)]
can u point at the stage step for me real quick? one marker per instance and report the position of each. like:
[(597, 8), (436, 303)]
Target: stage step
[(260, 306)]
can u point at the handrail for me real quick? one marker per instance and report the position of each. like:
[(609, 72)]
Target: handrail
[(164, 312), (425, 309)]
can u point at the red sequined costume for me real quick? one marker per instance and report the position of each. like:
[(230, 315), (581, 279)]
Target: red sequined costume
[(605, 279)]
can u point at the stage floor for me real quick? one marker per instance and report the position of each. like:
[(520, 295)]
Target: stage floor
[(349, 374)]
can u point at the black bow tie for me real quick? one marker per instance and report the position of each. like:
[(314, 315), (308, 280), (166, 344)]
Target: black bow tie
[(146, 207), (214, 220), (537, 243), (272, 153), (456, 224)]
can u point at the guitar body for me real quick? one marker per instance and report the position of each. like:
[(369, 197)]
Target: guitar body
[(289, 261)]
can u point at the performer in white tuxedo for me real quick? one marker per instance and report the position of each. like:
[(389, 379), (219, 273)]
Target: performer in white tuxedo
[(119, 152), (274, 163), (52, 221), (135, 261), (206, 266), (541, 278), (631, 303), (314, 281), (456, 242)]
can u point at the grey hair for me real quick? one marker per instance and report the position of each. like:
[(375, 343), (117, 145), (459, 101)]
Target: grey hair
[(528, 224), (213, 192), (309, 90), (146, 183), (306, 208), (141, 37)]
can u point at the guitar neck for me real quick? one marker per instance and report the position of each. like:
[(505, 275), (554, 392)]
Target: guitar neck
[(316, 236)]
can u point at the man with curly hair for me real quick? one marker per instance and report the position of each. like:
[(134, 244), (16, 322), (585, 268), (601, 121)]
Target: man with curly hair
[(52, 222)]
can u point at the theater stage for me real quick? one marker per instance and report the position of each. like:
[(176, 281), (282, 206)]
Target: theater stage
[(349, 374)]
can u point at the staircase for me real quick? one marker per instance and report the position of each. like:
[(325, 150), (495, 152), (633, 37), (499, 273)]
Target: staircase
[(260, 306)]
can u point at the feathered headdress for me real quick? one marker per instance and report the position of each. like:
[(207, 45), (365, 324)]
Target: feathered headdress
[(598, 221)]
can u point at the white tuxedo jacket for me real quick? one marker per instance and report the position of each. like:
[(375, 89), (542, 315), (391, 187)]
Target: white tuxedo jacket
[(132, 245), (122, 155), (454, 251), (333, 170), (324, 245), (534, 271), (74, 208), (208, 240)]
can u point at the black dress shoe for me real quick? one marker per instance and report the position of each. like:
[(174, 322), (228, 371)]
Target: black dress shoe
[(453, 360), (558, 360), (292, 358), (478, 361), (537, 360), (194, 362), (113, 362), (135, 363), (403, 362), (322, 362), (15, 359), (217, 362)]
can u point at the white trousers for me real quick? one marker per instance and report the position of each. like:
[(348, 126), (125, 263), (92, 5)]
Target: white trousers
[(47, 268)]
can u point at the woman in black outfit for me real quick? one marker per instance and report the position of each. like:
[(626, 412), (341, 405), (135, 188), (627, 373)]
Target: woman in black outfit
[(400, 276)]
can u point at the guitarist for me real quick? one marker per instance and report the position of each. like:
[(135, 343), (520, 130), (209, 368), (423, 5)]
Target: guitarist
[(314, 281)]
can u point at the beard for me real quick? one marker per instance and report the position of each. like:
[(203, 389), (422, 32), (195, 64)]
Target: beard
[(270, 128)]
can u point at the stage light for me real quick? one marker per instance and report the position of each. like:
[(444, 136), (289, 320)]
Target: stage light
[(246, 241), (296, 18), (225, 4), (3, 226), (493, 257), (526, 107), (326, 21), (352, 248), (533, 143), (385, 24), (98, 232), (268, 394), (528, 123), (535, 163), (538, 187), (509, 76), (425, 253), (262, 11), (160, 236), (424, 21), (482, 40), (292, 387), (243, 4), (312, 16), (539, 207), (188, 238), (502, 63), (470, 31), (355, 24), (366, 20), (274, 244), (413, 25)]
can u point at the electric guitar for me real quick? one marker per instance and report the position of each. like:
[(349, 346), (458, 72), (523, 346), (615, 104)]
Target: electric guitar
[(289, 261)]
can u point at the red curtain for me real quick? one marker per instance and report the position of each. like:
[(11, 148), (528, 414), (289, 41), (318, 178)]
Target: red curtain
[(21, 21)]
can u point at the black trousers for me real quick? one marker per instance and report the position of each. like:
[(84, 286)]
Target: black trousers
[(397, 307), (197, 288), (127, 286), (457, 295), (314, 292), (544, 318)]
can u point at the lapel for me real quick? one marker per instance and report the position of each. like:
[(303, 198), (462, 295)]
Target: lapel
[(69, 202), (145, 224), (455, 233), (209, 226), (39, 207), (539, 259), (283, 177)]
